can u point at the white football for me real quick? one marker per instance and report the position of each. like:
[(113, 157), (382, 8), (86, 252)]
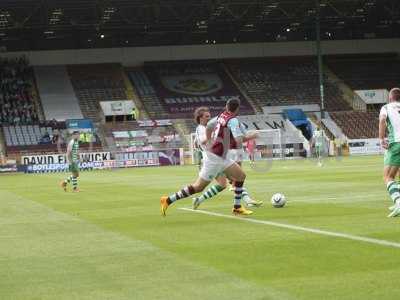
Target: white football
[(278, 200)]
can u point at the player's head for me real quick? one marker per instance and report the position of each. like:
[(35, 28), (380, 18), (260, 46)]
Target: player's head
[(202, 115), (394, 95), (233, 105), (75, 135)]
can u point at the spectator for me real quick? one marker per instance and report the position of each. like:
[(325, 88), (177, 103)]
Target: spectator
[(16, 103), (55, 137), (45, 139)]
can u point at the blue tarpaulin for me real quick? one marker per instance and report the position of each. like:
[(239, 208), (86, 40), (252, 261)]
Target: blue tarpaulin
[(300, 120), (296, 116)]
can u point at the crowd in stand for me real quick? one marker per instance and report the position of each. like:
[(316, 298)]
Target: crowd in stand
[(16, 102)]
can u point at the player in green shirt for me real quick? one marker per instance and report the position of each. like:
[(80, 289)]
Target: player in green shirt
[(73, 161), (389, 122)]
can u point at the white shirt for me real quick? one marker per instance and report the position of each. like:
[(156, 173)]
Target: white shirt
[(201, 136), (318, 137), (391, 113)]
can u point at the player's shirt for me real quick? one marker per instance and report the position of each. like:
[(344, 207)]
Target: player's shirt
[(391, 113), (318, 137), (201, 135), (251, 146), (74, 147), (238, 153), (225, 124), (243, 129)]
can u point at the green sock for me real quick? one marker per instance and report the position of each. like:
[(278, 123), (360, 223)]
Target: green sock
[(68, 180), (211, 192), (75, 182), (394, 190)]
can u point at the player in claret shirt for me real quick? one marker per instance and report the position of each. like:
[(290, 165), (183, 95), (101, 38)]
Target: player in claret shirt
[(224, 134)]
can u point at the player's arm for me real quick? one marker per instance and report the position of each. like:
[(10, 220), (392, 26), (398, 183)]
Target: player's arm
[(203, 136), (238, 135), (382, 128), (250, 135), (69, 152), (210, 128)]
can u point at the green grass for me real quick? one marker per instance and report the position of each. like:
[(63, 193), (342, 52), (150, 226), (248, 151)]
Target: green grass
[(110, 242)]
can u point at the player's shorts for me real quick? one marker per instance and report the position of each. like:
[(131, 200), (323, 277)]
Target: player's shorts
[(392, 155), (198, 156), (214, 166), (74, 167), (318, 149), (236, 155)]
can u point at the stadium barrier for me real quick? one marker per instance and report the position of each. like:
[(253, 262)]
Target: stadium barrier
[(101, 160), (365, 147), (61, 158), (8, 168)]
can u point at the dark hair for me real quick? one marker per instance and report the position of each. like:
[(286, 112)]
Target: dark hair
[(233, 104), (75, 132), (395, 92), (199, 112)]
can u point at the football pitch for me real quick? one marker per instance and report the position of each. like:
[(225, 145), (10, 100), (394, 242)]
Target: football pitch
[(331, 241)]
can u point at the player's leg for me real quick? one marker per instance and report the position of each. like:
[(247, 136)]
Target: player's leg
[(74, 179), (70, 179), (252, 156), (245, 194), (391, 168), (231, 183), (198, 158), (211, 167), (393, 188), (65, 182), (319, 154), (212, 191), (235, 173), (198, 186)]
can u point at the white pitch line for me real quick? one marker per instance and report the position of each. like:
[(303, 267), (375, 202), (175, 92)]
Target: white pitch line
[(300, 228)]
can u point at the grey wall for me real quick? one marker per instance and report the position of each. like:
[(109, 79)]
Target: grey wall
[(136, 56)]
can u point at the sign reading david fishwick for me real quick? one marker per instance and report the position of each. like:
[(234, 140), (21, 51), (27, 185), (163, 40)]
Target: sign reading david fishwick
[(61, 159)]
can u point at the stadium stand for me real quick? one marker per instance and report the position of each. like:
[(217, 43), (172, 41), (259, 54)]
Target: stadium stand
[(95, 83), (57, 94), (357, 124), (147, 94), (133, 136), (290, 134), (133, 95), (285, 81), (188, 125), (176, 89), (43, 138), (17, 103), (365, 72), (25, 135)]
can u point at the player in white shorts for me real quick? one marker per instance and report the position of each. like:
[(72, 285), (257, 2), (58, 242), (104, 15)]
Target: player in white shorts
[(237, 155), (227, 135), (318, 143), (389, 135), (202, 117)]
